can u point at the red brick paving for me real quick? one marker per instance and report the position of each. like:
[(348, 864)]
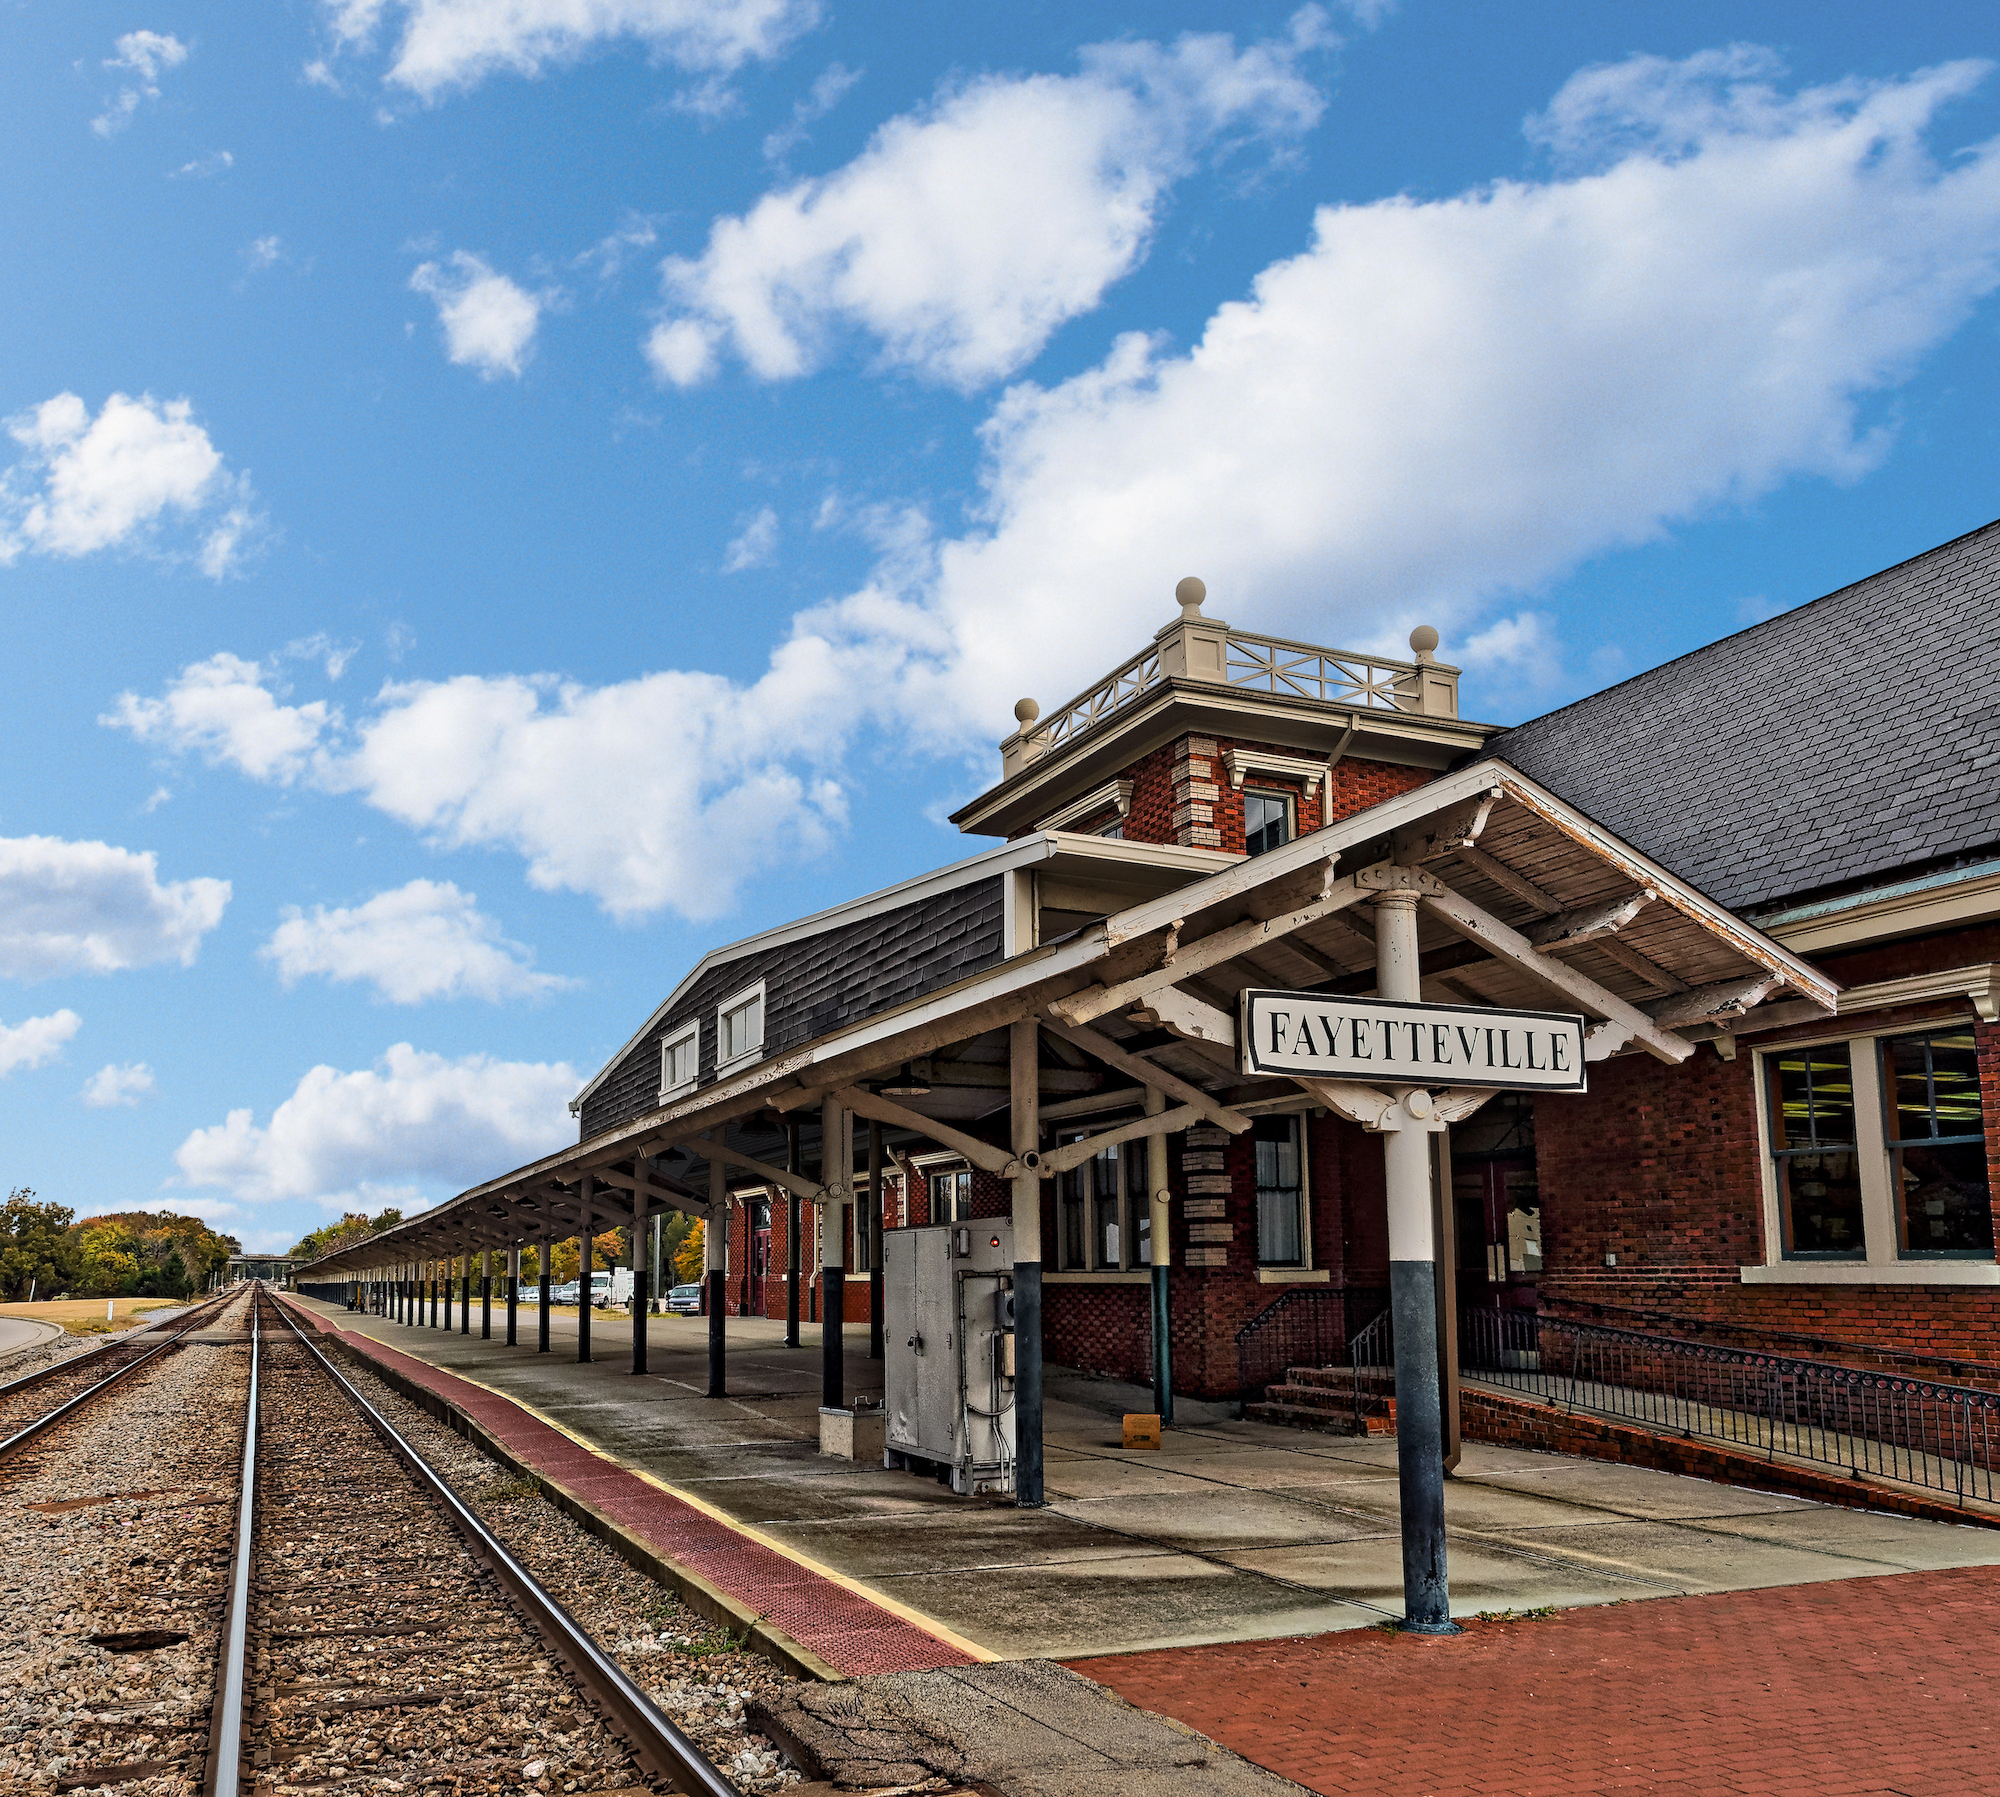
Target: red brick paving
[(842, 1627), (1876, 1687)]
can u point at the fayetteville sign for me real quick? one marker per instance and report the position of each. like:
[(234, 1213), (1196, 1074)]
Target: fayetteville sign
[(1392, 1042)]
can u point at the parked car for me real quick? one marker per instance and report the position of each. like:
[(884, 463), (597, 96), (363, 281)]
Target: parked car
[(564, 1294), (685, 1300)]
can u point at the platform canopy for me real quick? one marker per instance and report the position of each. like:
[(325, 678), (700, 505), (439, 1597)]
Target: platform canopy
[(1523, 902)]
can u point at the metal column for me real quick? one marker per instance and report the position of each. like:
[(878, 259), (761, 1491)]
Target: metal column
[(1024, 1061), (465, 1295), (513, 1287), (586, 1245), (542, 1258), (792, 1219), (641, 1308), (836, 1159), (1159, 1220), (486, 1294), (1406, 1167), (715, 1268), (874, 1240)]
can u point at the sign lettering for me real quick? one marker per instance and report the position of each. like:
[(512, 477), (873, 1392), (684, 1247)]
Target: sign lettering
[(1408, 1044)]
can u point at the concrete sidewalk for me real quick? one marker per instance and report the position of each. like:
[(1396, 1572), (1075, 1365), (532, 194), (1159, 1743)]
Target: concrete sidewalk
[(1232, 1532)]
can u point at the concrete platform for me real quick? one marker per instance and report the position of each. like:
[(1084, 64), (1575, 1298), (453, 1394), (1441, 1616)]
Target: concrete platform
[(1232, 1531)]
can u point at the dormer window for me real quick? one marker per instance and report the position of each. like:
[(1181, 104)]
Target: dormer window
[(680, 1059), (739, 1027), (1267, 820)]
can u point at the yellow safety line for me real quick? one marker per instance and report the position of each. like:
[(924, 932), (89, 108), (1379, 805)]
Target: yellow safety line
[(881, 1600)]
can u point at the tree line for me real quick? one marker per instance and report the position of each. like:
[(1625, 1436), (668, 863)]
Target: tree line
[(680, 1246), (46, 1250)]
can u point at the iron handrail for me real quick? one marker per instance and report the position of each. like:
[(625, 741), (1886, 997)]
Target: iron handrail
[(1910, 1431)]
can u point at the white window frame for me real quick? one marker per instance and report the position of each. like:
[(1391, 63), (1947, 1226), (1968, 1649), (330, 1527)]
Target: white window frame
[(689, 1032), (1883, 1262), (735, 1002), (1304, 1267)]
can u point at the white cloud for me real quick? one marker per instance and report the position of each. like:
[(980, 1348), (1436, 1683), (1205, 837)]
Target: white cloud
[(963, 235), (489, 321), (422, 941), (221, 709), (37, 1041), (606, 257), (754, 545), (217, 163), (827, 92), (142, 55), (86, 907), (88, 484), (264, 252), (446, 44), (1432, 411), (1441, 405), (114, 1085), (413, 1119)]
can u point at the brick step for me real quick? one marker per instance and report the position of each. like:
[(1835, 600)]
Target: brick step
[(1313, 1407)]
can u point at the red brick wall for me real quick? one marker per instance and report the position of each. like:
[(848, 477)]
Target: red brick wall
[(1660, 1166)]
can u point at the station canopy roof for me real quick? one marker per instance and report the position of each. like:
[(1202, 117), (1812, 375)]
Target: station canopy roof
[(1523, 902)]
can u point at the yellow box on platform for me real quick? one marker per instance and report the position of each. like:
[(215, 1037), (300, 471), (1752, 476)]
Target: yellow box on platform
[(1142, 1431)]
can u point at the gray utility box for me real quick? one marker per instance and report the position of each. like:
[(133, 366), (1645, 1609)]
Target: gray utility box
[(948, 1342)]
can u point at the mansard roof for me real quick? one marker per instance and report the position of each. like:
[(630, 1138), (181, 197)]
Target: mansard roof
[(1830, 747)]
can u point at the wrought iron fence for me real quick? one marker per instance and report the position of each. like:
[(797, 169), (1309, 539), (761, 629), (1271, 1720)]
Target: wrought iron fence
[(1913, 1431), (1371, 1360), (1311, 1327)]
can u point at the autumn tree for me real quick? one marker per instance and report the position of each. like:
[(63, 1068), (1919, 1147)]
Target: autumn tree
[(691, 1253), (36, 1252)]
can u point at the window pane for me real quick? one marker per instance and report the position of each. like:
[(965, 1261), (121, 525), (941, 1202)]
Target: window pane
[(1278, 1193), (1933, 1083), (1812, 1096), (1106, 1237), (1819, 1196), (1074, 1238), (1943, 1187), (1264, 818)]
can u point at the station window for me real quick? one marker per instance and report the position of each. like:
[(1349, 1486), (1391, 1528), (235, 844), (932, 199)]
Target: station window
[(951, 1196), (1937, 1144), (1267, 820), (1101, 1208), (1813, 1143), (1281, 1192), (739, 1026), (680, 1057), (1884, 1134)]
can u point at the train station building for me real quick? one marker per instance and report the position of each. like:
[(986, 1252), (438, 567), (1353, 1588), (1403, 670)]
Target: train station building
[(1765, 876)]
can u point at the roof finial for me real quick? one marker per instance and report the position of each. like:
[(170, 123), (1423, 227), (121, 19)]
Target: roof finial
[(1191, 592), (1026, 711), (1423, 640)]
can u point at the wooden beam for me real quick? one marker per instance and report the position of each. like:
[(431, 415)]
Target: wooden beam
[(1506, 943), (1447, 832), (1372, 1109), (1570, 929), (982, 1155), (1456, 1102), (1644, 966), (1194, 1019), (1206, 952), (1073, 1154), (1508, 880), (809, 1189), (1112, 1055), (1704, 1004)]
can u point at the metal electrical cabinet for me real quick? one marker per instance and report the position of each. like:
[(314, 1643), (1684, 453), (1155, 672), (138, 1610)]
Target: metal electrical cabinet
[(948, 1339)]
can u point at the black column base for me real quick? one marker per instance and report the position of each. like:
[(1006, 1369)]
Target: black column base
[(718, 1342), (1420, 1449), (1028, 1383), (832, 1364)]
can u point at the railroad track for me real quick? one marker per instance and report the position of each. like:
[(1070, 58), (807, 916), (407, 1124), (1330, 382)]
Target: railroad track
[(40, 1399), (285, 1599)]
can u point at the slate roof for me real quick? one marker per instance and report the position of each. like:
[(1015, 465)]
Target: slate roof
[(1830, 747)]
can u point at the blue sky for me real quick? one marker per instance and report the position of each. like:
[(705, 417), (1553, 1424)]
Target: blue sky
[(502, 495)]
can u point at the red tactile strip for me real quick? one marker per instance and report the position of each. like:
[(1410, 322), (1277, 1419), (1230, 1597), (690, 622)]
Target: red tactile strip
[(1871, 1687), (842, 1627)]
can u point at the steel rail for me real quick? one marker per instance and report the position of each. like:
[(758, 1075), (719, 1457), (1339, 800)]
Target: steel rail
[(660, 1748), (225, 1731), (191, 1318), (21, 1437)]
